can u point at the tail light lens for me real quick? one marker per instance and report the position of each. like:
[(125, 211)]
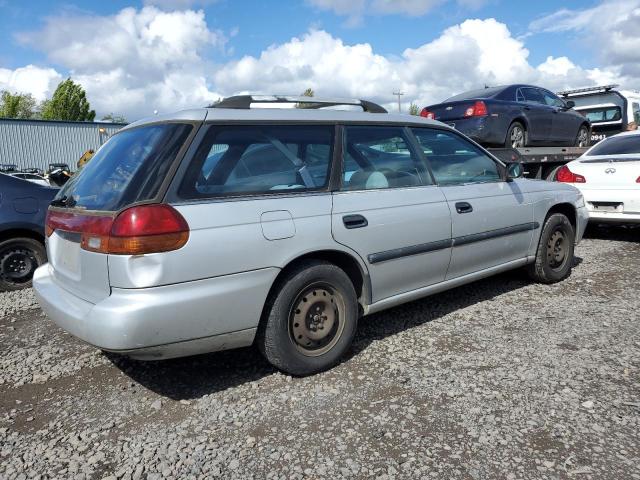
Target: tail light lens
[(427, 114), (567, 176), (479, 109), (638, 180), (135, 231)]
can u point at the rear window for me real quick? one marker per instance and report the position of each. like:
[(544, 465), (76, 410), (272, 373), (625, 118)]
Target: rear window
[(621, 145), (484, 93), (242, 160), (129, 167), (604, 114)]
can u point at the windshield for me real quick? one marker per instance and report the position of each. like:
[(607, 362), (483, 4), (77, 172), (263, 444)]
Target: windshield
[(130, 167), (619, 145)]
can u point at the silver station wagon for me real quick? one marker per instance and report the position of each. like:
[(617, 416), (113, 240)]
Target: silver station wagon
[(227, 226)]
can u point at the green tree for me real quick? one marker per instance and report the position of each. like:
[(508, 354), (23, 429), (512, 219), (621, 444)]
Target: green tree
[(413, 109), (114, 118), (69, 102), (307, 93), (18, 105)]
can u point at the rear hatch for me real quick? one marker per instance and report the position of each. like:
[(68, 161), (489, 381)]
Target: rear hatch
[(128, 169)]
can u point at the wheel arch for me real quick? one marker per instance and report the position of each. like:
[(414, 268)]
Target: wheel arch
[(567, 209), (11, 233), (347, 262), (519, 119)]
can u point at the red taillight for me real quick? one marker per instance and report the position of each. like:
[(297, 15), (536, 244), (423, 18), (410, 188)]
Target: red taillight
[(567, 176), (638, 180), (479, 109), (135, 231), (427, 114)]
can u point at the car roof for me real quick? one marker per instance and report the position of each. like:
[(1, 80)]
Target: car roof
[(285, 115)]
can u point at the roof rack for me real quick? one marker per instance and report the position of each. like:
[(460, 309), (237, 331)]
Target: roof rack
[(602, 88), (244, 102)]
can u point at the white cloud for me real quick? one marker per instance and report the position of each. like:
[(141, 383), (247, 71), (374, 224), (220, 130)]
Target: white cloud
[(39, 82), (138, 61), (609, 29), (135, 61)]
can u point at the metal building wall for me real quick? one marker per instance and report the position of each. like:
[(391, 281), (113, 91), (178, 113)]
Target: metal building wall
[(37, 143)]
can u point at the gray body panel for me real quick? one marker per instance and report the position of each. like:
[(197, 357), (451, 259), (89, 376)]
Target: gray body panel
[(210, 294)]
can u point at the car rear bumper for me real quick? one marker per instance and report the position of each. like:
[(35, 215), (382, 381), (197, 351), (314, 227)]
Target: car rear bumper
[(612, 205), (162, 322)]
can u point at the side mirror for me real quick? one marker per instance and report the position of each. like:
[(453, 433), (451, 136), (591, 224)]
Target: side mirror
[(570, 104), (514, 170)]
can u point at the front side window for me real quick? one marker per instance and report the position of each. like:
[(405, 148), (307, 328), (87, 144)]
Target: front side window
[(552, 100), (455, 160), (237, 160), (380, 157)]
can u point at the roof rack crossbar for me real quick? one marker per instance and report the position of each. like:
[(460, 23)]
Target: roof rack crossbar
[(601, 88), (243, 102)]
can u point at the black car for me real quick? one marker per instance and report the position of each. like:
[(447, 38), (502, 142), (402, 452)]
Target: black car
[(23, 207), (513, 116)]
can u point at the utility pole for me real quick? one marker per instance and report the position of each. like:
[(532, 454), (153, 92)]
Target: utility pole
[(399, 94)]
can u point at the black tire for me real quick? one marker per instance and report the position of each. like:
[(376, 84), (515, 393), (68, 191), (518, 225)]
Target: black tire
[(554, 256), (582, 138), (314, 294), (518, 141), (19, 258)]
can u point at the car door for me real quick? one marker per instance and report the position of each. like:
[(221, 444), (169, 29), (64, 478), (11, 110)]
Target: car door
[(492, 219), (565, 123), (389, 211), (537, 114)]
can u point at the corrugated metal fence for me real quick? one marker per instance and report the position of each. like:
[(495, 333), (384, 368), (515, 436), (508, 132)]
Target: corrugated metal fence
[(37, 143)]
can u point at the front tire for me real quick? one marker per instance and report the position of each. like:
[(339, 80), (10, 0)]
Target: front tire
[(554, 256), (310, 319), (19, 258), (582, 139), (516, 136)]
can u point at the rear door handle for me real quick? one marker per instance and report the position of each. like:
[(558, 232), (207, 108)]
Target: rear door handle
[(354, 221), (464, 207)]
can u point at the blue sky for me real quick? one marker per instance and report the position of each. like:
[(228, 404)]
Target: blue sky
[(35, 37)]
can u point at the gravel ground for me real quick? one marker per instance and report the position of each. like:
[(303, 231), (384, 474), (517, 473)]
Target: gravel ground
[(501, 379)]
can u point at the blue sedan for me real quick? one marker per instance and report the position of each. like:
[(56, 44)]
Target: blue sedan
[(23, 207), (513, 116)]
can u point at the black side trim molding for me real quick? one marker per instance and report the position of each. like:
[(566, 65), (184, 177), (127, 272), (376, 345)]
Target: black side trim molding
[(407, 251), (500, 232), (455, 242)]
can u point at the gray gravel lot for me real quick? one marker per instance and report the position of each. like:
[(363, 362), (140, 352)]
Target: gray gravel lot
[(501, 379)]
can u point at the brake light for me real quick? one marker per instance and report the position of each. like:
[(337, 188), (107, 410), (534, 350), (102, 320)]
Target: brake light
[(135, 231), (638, 180), (427, 114), (479, 109), (567, 176)]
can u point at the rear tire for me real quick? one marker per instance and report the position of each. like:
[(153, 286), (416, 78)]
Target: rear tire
[(517, 136), (310, 319), (554, 256), (582, 139), (19, 258)]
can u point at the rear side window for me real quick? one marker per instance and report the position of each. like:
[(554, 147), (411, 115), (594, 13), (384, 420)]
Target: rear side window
[(237, 160), (129, 167), (380, 157), (454, 160)]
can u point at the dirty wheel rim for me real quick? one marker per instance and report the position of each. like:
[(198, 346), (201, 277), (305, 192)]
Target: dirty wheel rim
[(316, 319), (517, 137), (582, 137), (17, 266), (557, 250)]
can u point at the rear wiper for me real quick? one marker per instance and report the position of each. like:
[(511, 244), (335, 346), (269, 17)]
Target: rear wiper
[(64, 201)]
